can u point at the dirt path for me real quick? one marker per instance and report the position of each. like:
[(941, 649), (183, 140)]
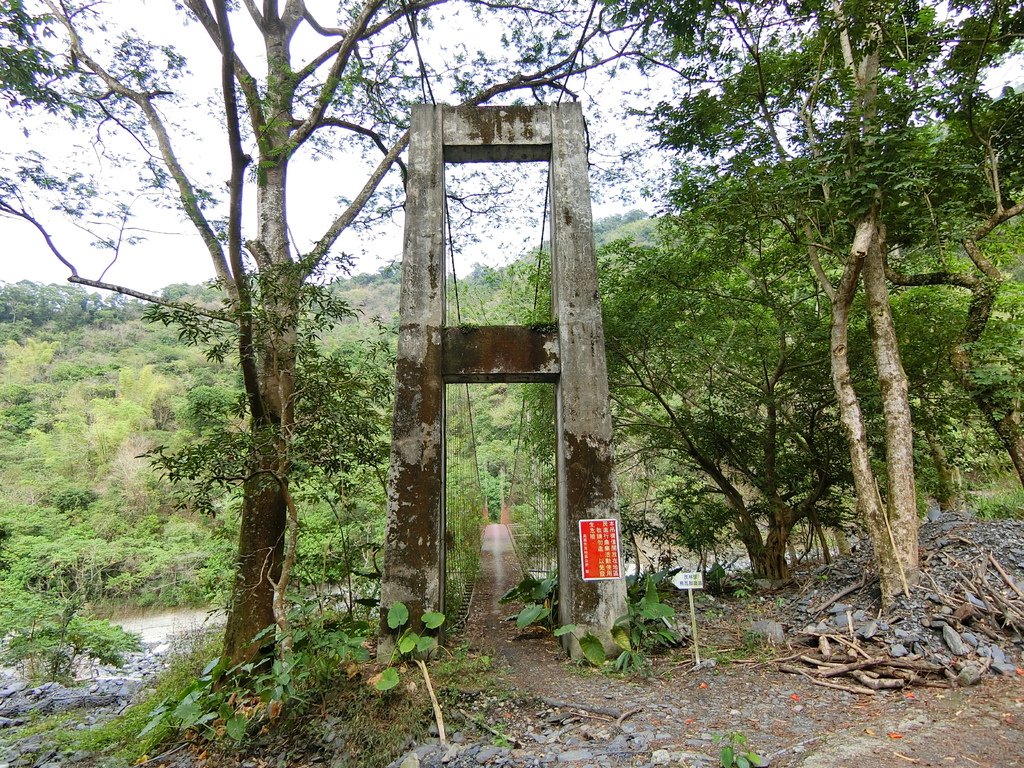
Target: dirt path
[(676, 713)]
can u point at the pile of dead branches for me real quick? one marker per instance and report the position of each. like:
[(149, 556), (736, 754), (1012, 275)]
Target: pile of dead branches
[(844, 664), (991, 604)]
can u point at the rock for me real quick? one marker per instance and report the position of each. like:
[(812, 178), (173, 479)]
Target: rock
[(13, 688), (973, 600), (661, 757), (898, 650), (868, 631), (769, 629), (486, 754), (1005, 668), (970, 638), (970, 673), (953, 641), (412, 760)]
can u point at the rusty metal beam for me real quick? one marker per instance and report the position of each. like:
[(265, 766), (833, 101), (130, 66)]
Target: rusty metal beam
[(500, 353)]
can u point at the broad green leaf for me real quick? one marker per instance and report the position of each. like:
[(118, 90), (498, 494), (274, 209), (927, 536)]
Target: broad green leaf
[(388, 680), (407, 642), (593, 650), (433, 619), (398, 615), (188, 712), (531, 614), (565, 629), (236, 726), (424, 644)]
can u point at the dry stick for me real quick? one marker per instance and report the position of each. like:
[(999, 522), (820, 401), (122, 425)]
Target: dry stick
[(438, 717), (842, 593), (1009, 582), (596, 709), (826, 683), (627, 714), (892, 541), (876, 684)]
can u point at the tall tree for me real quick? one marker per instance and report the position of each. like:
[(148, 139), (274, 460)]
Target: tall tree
[(295, 86), (716, 360), (818, 106)]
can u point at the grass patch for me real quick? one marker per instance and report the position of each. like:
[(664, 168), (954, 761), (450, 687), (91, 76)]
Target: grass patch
[(1001, 504)]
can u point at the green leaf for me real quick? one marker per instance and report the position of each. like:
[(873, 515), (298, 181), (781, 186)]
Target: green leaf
[(620, 635), (742, 762), (726, 757), (656, 611), (236, 726), (388, 680), (531, 614), (188, 712), (407, 642), (565, 629), (398, 615), (433, 619), (424, 644), (593, 650)]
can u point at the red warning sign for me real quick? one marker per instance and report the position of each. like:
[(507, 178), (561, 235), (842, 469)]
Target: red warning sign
[(599, 548)]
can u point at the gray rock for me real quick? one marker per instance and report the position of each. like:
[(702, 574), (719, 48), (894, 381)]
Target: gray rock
[(970, 673), (487, 753), (1005, 668), (973, 600), (661, 757), (898, 650), (412, 760), (997, 654), (13, 688), (868, 631), (970, 638), (953, 641)]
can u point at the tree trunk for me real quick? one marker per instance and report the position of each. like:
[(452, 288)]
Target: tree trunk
[(772, 562), (869, 502), (260, 549), (900, 511)]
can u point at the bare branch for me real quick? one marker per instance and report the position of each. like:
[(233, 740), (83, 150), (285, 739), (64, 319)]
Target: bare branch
[(152, 299), (334, 122), (21, 213), (144, 101)]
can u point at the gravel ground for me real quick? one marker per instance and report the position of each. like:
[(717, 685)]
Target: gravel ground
[(548, 711)]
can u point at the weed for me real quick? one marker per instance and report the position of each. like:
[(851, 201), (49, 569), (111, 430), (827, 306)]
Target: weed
[(734, 752)]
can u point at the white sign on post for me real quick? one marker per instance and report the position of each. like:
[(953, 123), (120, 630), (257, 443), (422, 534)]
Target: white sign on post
[(690, 582)]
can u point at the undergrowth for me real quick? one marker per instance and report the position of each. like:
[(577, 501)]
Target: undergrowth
[(336, 712)]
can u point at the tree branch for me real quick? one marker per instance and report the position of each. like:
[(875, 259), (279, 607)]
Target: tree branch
[(151, 298)]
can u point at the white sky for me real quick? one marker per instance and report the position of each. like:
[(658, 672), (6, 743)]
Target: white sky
[(171, 251)]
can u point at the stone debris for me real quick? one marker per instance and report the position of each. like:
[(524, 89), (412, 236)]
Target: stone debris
[(963, 620)]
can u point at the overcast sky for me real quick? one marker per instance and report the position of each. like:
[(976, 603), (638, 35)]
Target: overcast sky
[(172, 252)]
